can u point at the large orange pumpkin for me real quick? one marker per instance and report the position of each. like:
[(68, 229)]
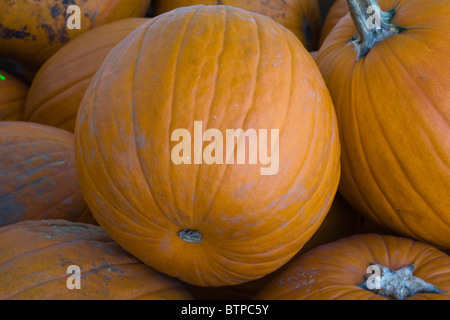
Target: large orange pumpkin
[(32, 31), (37, 175), (365, 267), (391, 90), (36, 259), (58, 88), (208, 224), (302, 17), (13, 94)]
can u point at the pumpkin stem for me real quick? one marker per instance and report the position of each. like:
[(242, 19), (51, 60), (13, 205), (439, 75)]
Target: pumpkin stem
[(191, 236), (397, 285), (372, 24)]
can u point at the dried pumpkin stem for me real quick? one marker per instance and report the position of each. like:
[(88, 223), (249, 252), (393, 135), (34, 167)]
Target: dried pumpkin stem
[(398, 284), (191, 236), (372, 24)]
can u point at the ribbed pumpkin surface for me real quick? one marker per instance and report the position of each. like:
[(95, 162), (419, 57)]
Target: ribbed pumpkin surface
[(32, 31), (229, 69), (59, 86), (333, 271), (37, 174), (393, 108), (35, 255), (302, 17)]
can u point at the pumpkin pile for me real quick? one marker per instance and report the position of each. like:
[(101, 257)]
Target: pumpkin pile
[(195, 149)]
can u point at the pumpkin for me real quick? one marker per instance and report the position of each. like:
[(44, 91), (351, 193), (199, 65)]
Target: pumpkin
[(391, 90), (58, 88), (365, 267), (337, 10), (37, 175), (188, 70), (302, 17), (13, 93), (32, 31), (341, 221), (38, 257)]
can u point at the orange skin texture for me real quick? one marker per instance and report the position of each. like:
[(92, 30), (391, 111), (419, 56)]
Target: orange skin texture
[(37, 175), (393, 114), (36, 254), (335, 13), (341, 221), (333, 271), (256, 75), (296, 15), (59, 86), (32, 31), (13, 93)]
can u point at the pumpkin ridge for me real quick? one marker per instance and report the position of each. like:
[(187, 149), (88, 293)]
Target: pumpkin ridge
[(213, 98), (47, 107), (357, 136), (418, 89), (103, 162), (212, 101), (19, 99), (63, 276), (39, 249), (39, 104), (113, 206), (31, 159), (34, 285), (385, 196), (402, 169), (175, 74), (133, 130)]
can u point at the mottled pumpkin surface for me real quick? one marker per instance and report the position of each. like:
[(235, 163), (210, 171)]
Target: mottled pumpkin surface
[(335, 270), (35, 257), (37, 174), (59, 86), (302, 17), (32, 31), (230, 69), (393, 109)]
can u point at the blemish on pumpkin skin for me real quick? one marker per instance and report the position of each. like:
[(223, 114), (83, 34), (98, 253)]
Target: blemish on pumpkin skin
[(11, 210), (7, 33), (94, 16), (56, 11), (241, 192)]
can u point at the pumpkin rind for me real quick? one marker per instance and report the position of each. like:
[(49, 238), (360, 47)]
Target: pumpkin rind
[(334, 271), (341, 221), (13, 94), (230, 69), (36, 254), (338, 9), (32, 31), (59, 86), (302, 17), (37, 175), (393, 114)]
